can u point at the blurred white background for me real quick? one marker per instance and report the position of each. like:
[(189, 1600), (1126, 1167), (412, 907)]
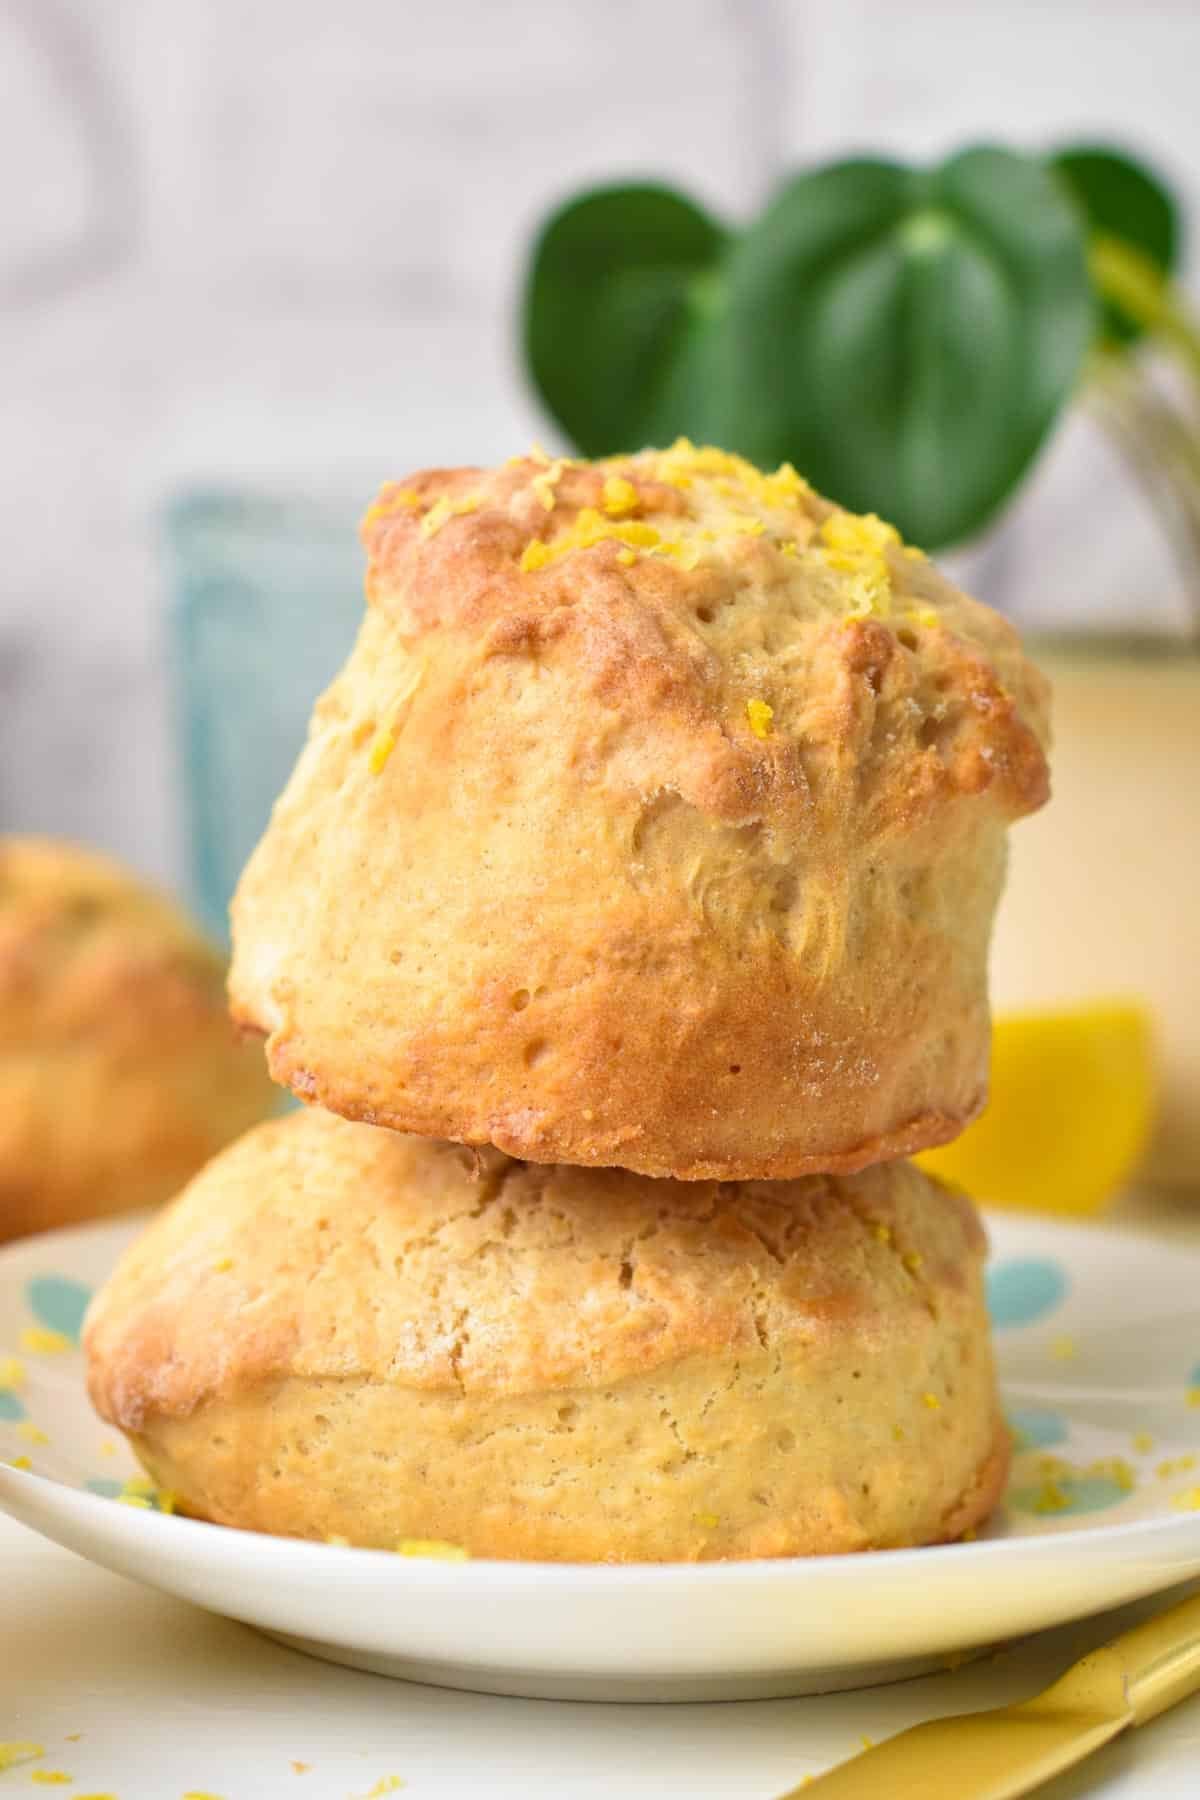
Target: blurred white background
[(244, 238)]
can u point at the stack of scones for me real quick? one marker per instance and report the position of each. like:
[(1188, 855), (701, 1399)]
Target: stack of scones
[(624, 924)]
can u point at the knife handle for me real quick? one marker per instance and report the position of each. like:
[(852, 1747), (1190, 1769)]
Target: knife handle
[(1160, 1660)]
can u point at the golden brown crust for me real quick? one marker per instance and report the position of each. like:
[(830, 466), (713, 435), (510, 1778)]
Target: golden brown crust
[(595, 1365), (677, 854), (119, 1074)]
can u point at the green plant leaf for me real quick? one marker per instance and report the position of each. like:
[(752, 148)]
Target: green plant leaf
[(908, 337), (621, 296), (1123, 199), (905, 337)]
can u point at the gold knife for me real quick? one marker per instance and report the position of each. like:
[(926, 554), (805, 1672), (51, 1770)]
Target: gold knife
[(1010, 1751)]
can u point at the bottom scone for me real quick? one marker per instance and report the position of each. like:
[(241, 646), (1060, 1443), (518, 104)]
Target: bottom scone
[(337, 1331)]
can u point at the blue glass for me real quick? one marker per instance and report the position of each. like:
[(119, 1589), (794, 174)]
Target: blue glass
[(267, 594)]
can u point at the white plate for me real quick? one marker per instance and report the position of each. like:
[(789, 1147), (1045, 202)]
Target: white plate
[(1098, 1335)]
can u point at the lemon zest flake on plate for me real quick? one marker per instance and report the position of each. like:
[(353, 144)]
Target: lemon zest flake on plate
[(19, 1750), (36, 1340)]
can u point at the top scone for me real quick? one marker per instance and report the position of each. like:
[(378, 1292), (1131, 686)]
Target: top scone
[(657, 819)]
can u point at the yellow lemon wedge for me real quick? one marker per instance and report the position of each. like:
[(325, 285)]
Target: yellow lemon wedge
[(1070, 1110)]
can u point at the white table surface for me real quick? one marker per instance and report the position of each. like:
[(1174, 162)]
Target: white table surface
[(141, 1697)]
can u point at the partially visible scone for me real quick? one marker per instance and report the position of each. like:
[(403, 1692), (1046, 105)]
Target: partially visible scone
[(339, 1331), (119, 1071), (657, 820)]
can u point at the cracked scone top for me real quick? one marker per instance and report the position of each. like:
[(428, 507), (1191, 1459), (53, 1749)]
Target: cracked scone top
[(657, 819), (343, 1332)]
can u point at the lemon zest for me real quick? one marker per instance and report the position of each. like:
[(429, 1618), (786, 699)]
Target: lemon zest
[(382, 745), (391, 502), (620, 496), (854, 545), (1174, 1465), (33, 1434), (681, 464), (535, 555), (444, 509), (1116, 1470), (433, 1548), (12, 1373), (38, 1341), (544, 484), (20, 1462), (19, 1750), (932, 1402), (760, 714), (589, 529)]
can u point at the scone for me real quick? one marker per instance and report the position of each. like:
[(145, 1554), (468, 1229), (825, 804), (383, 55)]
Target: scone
[(657, 820), (119, 1071), (338, 1331)]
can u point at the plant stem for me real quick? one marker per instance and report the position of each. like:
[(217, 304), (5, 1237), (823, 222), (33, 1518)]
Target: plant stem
[(1161, 445), (1129, 279), (1160, 452)]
